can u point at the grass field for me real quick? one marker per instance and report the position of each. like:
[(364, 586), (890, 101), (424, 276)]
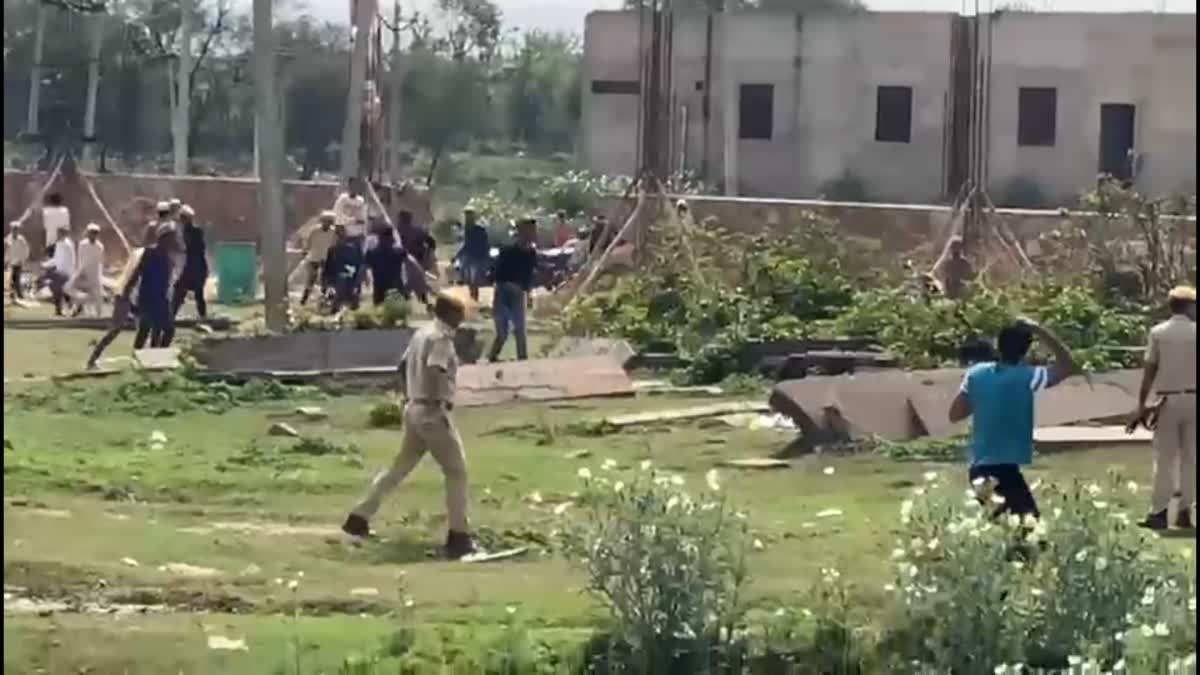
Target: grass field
[(98, 506)]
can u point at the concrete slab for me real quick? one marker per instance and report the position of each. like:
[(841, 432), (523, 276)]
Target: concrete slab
[(1082, 435), (574, 346), (681, 414), (157, 359), (319, 351), (542, 380), (899, 405)]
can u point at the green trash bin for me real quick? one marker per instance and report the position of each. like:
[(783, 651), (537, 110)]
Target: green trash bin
[(237, 266)]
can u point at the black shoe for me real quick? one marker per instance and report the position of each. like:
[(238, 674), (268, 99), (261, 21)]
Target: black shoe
[(1184, 520), (1155, 521), (459, 544), (356, 526)]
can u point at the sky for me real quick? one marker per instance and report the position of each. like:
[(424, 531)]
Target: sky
[(567, 15)]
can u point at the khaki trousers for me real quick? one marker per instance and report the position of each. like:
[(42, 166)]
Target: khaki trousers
[(1175, 453), (427, 428)]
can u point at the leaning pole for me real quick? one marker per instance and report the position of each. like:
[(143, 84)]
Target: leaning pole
[(270, 158)]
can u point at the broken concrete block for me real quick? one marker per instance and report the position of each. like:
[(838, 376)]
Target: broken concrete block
[(283, 429), (756, 463), (166, 358), (569, 347), (312, 413)]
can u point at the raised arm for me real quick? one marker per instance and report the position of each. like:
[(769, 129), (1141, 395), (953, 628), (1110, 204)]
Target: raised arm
[(1064, 364)]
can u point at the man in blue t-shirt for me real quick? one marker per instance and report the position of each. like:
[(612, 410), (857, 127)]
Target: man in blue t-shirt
[(999, 394)]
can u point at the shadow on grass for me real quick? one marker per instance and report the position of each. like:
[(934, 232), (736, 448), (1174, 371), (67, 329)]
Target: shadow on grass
[(405, 547)]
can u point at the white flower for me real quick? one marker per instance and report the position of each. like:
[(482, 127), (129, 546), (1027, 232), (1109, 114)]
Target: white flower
[(1186, 553), (780, 612), (157, 436), (677, 480), (1094, 489), (919, 491), (1100, 504), (408, 602), (897, 553), (1101, 563), (1081, 555), (1036, 592), (829, 471), (609, 465), (933, 544), (713, 480), (978, 482), (293, 585), (1014, 520), (1119, 666), (1121, 517), (758, 545), (510, 609), (1161, 630), (584, 473), (300, 574), (672, 502), (1018, 565), (1132, 486), (645, 465), (1074, 660), (1147, 630), (930, 476), (221, 643), (889, 588), (829, 513), (1192, 604), (1057, 512), (906, 508), (997, 499), (618, 486), (535, 497), (561, 508)]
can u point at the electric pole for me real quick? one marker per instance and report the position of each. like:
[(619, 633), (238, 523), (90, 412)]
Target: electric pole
[(363, 16), (270, 159)]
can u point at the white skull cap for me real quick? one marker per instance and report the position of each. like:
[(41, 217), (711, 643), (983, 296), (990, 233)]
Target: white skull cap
[(162, 207), (92, 227), (186, 210), (175, 201)]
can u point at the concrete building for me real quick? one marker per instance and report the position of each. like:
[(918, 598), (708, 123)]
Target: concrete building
[(869, 106)]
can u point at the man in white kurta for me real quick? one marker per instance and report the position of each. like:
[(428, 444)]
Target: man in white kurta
[(87, 284), (60, 268), (350, 209)]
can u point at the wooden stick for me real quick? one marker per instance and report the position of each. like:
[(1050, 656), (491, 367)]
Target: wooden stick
[(599, 263), (42, 192), (104, 212)]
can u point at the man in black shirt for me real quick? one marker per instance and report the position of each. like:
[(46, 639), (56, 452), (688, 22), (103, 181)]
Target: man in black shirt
[(515, 269), (419, 246), (195, 265), (343, 269), (386, 262)]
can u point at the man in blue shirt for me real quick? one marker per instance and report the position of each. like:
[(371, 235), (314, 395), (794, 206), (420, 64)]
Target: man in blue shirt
[(476, 253), (1000, 394)]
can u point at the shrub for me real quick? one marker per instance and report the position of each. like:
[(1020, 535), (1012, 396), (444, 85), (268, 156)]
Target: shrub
[(388, 414), (395, 311), (670, 569), (975, 593)]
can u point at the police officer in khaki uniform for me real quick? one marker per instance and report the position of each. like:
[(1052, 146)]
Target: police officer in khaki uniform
[(1171, 372), (428, 370)]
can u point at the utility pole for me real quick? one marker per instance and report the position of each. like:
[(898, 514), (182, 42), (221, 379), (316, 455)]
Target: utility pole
[(363, 15), (181, 115), (96, 23), (270, 158), (35, 73), (730, 114), (397, 83)]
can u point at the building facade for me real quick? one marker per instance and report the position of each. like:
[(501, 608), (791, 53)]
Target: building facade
[(869, 106)]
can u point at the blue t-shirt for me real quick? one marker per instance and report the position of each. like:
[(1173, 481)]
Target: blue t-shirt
[(1001, 398)]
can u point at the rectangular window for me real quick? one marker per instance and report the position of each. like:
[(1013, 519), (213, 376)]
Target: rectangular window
[(1037, 109), (756, 111), (616, 87), (893, 114)]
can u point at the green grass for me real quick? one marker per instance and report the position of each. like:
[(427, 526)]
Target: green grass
[(86, 491)]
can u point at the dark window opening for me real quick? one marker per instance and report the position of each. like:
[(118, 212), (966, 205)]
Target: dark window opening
[(699, 85), (756, 111), (1037, 110), (616, 87), (893, 114)]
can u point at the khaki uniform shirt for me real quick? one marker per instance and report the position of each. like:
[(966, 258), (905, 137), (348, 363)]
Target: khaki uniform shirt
[(318, 244), (1173, 348), (431, 365)]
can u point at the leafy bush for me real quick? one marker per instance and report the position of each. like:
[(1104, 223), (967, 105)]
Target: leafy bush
[(395, 311), (387, 414), (670, 569), (973, 593)]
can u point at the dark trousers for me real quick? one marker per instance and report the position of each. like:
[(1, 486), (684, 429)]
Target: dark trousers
[(1010, 484), (58, 285), (193, 284), (508, 312), (314, 272), (155, 324), (346, 293), (120, 317), (17, 291)]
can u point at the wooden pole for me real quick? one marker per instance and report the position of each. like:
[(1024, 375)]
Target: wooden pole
[(730, 106), (35, 73), (270, 183), (181, 114), (364, 14), (96, 23)]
